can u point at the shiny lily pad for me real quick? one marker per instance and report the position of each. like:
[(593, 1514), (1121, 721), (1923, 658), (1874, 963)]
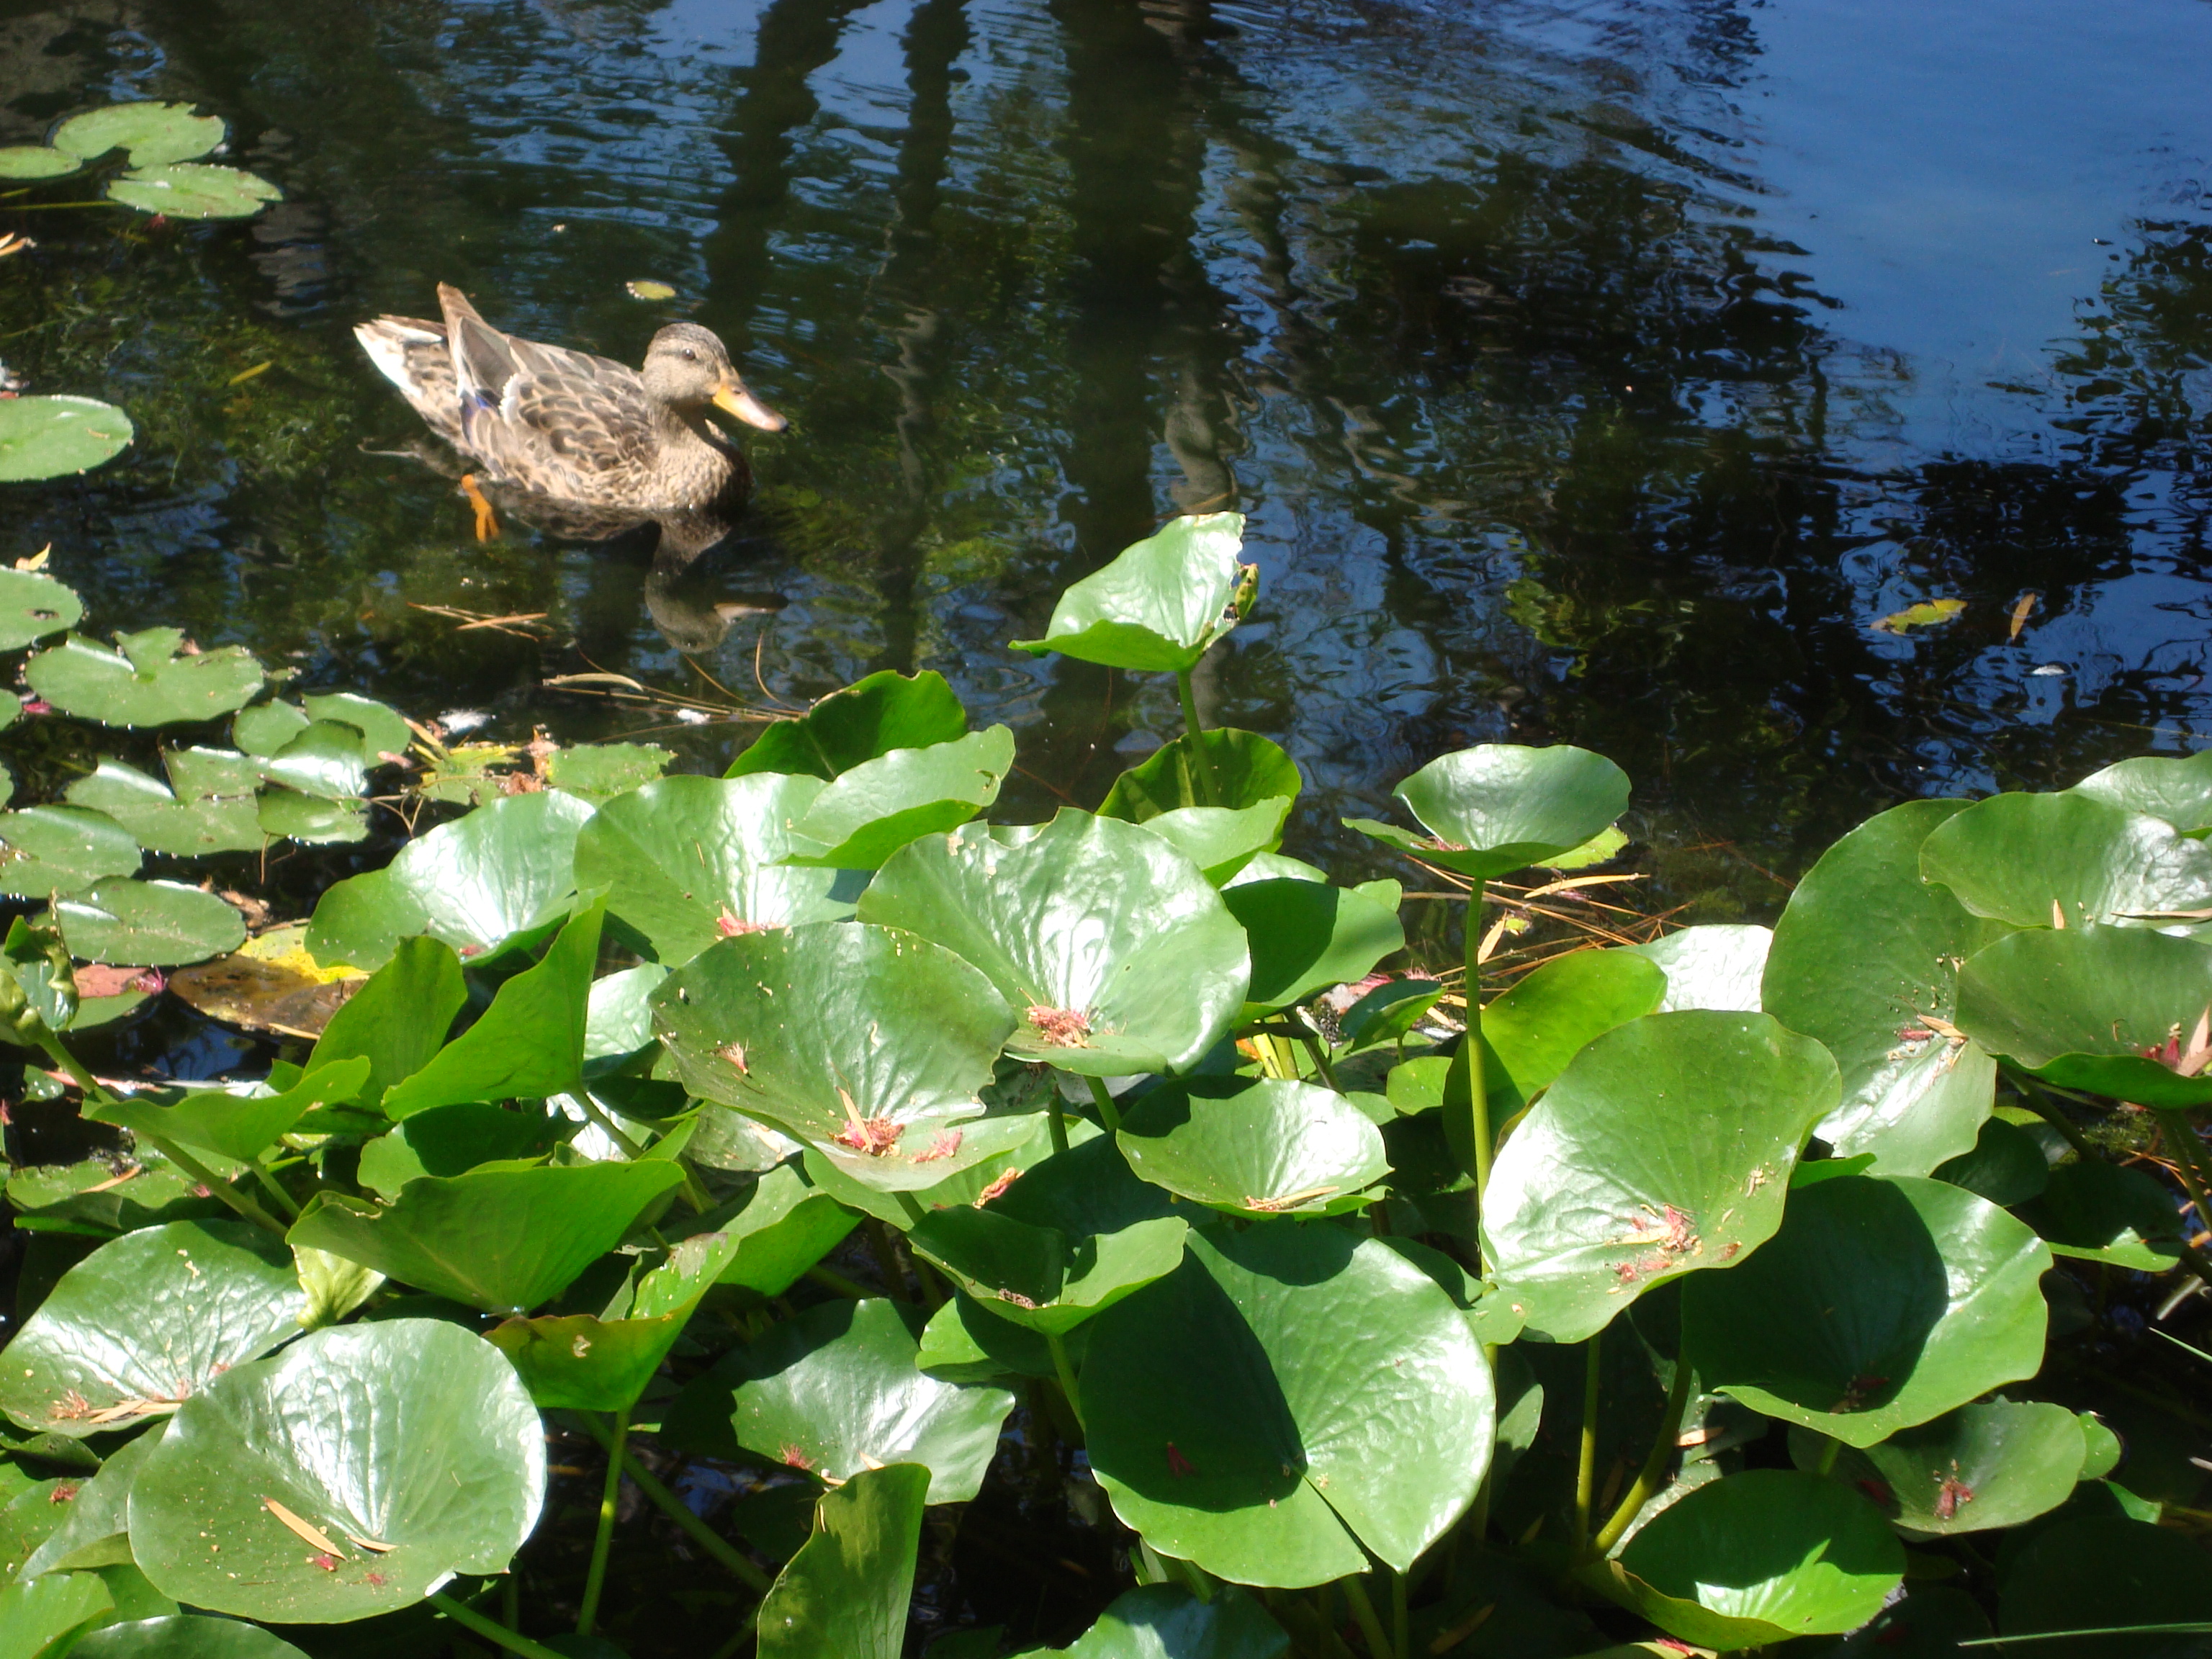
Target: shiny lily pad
[(156, 924), (1976, 1469), (2179, 791), (195, 190), (1221, 840), (1039, 1276), (33, 161), (1500, 807), (1719, 966), (1264, 1147), (1244, 768), (62, 849), (53, 436), (160, 822), (2047, 860), (1306, 936), (864, 721), (184, 1636), (237, 1125), (146, 682), (154, 133), (870, 812), (1166, 1621), (1159, 605), (847, 1592), (33, 606)]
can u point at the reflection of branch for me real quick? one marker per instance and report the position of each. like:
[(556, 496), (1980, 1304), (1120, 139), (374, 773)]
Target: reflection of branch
[(517, 624)]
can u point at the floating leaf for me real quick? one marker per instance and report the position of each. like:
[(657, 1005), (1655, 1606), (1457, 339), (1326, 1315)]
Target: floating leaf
[(146, 682), (1245, 768), (1863, 953), (184, 1636), (1305, 937), (295, 817), (1878, 1305), (865, 721), (2042, 860), (154, 133), (834, 1392), (847, 1591), (2177, 791), (158, 821), (1254, 1147), (881, 804), (1221, 841), (54, 436), (194, 190), (1666, 1147), (146, 1320), (600, 771), (1928, 613), (649, 289), (1715, 966), (867, 1043), (32, 607), (1756, 1558), (323, 759), (1973, 1470), (409, 1433), (37, 161), (1166, 1621), (1286, 1396), (156, 924), (1118, 953), (1500, 807), (1159, 605), (62, 849)]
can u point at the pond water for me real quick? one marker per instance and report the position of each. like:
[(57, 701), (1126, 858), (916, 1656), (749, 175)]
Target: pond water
[(1598, 372)]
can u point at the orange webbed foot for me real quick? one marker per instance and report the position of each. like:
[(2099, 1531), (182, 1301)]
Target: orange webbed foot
[(487, 521)]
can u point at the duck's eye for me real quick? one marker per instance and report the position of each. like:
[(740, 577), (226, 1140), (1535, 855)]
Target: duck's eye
[(689, 356)]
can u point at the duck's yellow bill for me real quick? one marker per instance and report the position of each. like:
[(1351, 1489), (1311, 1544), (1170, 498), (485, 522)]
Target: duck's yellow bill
[(732, 399)]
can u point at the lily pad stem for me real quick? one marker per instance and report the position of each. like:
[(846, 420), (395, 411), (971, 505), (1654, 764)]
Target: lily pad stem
[(1586, 1462), (677, 1509), (2039, 1101), (595, 1577), (1102, 1097), (1655, 1464), (1362, 1611), (277, 1195), (1829, 1453), (490, 1629), (887, 1259), (1401, 1642), (1055, 1123), (1065, 1372), (1465, 1088), (1201, 763)]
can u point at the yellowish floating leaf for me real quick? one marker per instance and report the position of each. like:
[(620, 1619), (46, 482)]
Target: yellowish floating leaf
[(1927, 614), (648, 289)]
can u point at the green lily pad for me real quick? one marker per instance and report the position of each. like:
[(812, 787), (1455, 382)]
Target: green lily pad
[(33, 161), (144, 683), (236, 1125), (184, 1636), (95, 1524), (56, 435), (1756, 1558), (867, 1043), (1159, 605), (62, 849), (38, 1616), (1166, 1621), (847, 1591), (600, 771), (408, 1433), (86, 1196), (451, 1140), (1303, 937), (295, 817), (32, 607), (505, 871), (502, 1240), (1254, 1148), (399, 1018), (323, 760), (1500, 807), (2097, 1212), (265, 727), (160, 822), (1220, 840), (2179, 791), (1288, 1396), (384, 731), (870, 811), (1039, 1276), (1972, 1470), (963, 1343), (199, 774), (688, 861), (1864, 949), (146, 1320), (1880, 1304), (2094, 1008), (1531, 1031), (1246, 770), (968, 1186), (195, 190), (2007, 1165), (1715, 966), (528, 1045), (1665, 1147), (2039, 860), (1114, 950), (783, 1226), (835, 1392), (153, 133), (864, 721), (155, 924), (2102, 1571)]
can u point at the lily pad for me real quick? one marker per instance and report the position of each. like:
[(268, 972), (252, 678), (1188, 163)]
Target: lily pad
[(848, 1590), (195, 190), (32, 162), (502, 1240), (688, 860), (1972, 1470), (294, 816), (2177, 791), (1880, 1303), (160, 822), (1254, 1148), (1533, 1030), (236, 1125), (155, 924), (399, 1018), (1864, 951), (153, 133), (1288, 1395), (879, 805), (184, 1636), (2093, 1211), (146, 682), (56, 435), (783, 1226), (1159, 605), (1166, 1621), (507, 871), (146, 1320), (40, 1615), (2070, 859), (835, 1392), (1246, 770), (32, 607), (323, 760), (1221, 840), (210, 773), (2113, 1011), (384, 731), (95, 1524), (867, 1043), (1305, 937), (1715, 966), (410, 1434), (2099, 1571), (1038, 1277), (1665, 1147), (1500, 807), (451, 1140), (864, 721), (2006, 1166), (1115, 951), (62, 849), (1756, 1558)]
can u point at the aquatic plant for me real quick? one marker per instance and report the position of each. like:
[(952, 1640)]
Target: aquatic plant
[(1350, 1290)]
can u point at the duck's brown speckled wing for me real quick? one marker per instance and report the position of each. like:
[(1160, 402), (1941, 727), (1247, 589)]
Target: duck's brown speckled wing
[(585, 436)]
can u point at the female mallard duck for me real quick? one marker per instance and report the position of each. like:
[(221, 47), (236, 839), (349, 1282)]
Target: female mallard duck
[(569, 427)]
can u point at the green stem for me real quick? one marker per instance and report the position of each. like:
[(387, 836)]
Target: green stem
[(2188, 1159), (1655, 1464), (1319, 1053), (1830, 1452), (595, 1577), (2048, 1110), (268, 1184), (830, 1279), (1102, 1097), (1056, 1122), (887, 1261), (1362, 1611), (510, 1600), (1400, 1643), (492, 1631), (912, 1206), (1201, 763), (1065, 1372), (677, 1509), (591, 1108), (1466, 1089), (1586, 1464)]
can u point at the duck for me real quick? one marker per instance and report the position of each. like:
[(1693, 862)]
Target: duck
[(568, 426)]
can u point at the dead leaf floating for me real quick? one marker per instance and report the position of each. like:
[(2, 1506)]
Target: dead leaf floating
[(1928, 613)]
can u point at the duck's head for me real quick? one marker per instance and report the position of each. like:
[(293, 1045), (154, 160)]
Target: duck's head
[(687, 367)]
